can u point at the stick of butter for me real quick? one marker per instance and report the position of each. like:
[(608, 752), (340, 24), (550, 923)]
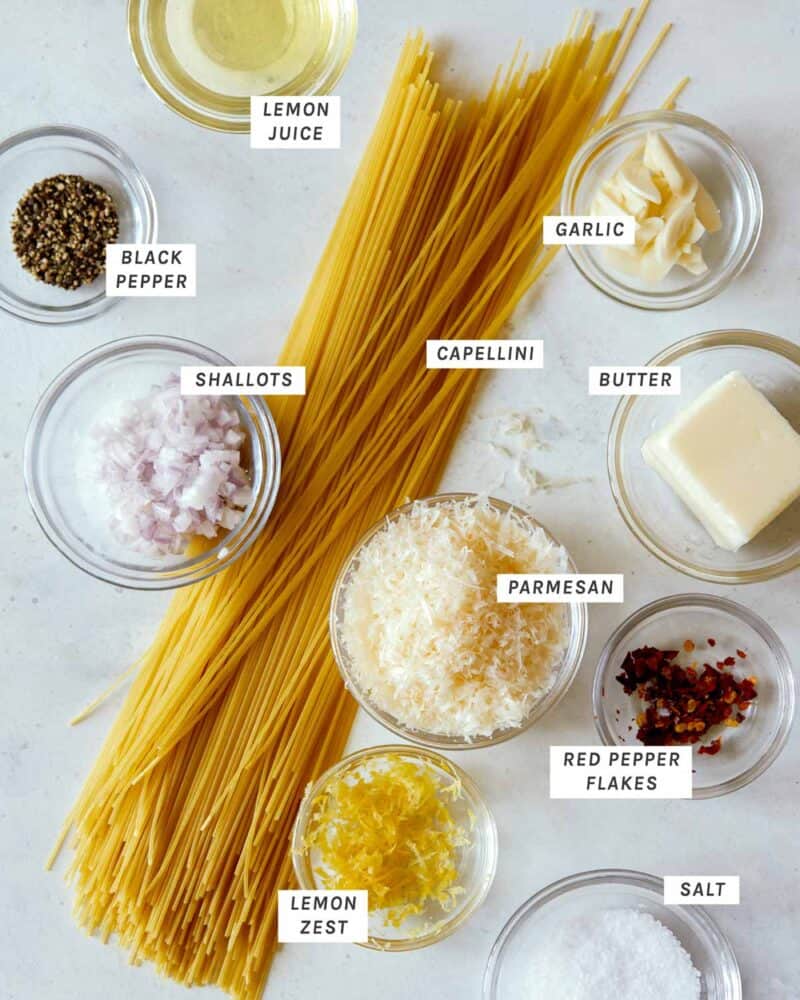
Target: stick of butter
[(732, 458)]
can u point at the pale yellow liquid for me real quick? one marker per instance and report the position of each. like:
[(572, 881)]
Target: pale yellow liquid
[(243, 34), (244, 47)]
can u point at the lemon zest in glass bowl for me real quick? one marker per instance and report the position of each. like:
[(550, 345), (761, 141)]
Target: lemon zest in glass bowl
[(387, 828)]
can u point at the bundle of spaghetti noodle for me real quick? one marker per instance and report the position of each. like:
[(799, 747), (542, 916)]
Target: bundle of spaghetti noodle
[(181, 833)]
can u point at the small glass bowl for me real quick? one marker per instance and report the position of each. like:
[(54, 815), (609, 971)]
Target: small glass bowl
[(721, 167), (60, 481), (147, 31), (747, 750), (650, 507), (33, 155), (565, 675), (477, 862), (508, 971)]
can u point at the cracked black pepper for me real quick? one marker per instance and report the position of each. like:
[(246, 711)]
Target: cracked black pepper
[(60, 230)]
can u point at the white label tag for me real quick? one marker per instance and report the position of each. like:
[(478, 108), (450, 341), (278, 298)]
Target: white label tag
[(485, 353), (705, 890), (560, 588), (620, 772), (243, 380), (151, 270), (634, 380), (295, 123), (322, 915), (589, 230)]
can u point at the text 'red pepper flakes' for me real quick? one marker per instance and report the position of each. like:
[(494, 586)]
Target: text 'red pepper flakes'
[(682, 704)]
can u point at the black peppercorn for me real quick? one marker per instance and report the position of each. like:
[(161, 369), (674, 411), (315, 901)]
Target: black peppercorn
[(60, 230)]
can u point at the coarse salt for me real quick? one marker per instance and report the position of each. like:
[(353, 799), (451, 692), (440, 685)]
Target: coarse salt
[(623, 954)]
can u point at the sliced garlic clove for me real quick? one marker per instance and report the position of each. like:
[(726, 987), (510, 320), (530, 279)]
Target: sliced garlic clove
[(673, 211), (660, 157), (677, 222), (605, 203), (707, 211), (647, 230), (635, 204), (656, 262), (636, 155), (693, 261), (696, 231), (660, 182), (638, 180)]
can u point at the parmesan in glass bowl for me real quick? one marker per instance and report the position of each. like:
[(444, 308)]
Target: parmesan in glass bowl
[(422, 642)]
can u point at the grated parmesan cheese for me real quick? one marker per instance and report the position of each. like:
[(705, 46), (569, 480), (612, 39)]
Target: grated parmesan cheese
[(427, 641)]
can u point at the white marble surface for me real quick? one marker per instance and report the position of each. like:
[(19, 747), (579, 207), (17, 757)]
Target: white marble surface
[(260, 221)]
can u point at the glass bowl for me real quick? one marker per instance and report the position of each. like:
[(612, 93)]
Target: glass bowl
[(147, 31), (721, 167), (60, 482), (747, 750), (652, 510), (37, 153), (508, 970), (565, 675), (477, 862)]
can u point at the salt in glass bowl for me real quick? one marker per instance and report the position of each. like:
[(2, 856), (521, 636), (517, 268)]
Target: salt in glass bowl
[(477, 861), (651, 508), (33, 155), (721, 167), (565, 672), (508, 971), (748, 749), (61, 480)]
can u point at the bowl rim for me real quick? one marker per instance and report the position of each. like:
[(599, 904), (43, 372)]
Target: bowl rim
[(231, 546), (47, 315), (656, 301), (697, 916), (238, 118), (669, 356), (780, 668), (568, 671), (489, 831)]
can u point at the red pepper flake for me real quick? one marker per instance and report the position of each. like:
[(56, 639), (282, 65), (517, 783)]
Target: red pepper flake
[(741, 654), (682, 704), (711, 642)]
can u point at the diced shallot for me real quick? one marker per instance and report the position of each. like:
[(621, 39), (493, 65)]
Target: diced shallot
[(170, 466)]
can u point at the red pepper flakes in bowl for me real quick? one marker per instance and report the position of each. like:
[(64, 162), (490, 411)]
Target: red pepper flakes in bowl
[(682, 704)]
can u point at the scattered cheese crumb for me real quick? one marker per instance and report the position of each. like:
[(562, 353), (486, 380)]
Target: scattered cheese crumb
[(426, 639), (520, 437)]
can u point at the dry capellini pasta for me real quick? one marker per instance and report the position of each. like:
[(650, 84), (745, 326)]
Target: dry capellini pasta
[(387, 827), (181, 832)]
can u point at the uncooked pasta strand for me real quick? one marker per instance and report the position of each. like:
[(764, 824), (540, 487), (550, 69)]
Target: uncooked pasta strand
[(181, 833)]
